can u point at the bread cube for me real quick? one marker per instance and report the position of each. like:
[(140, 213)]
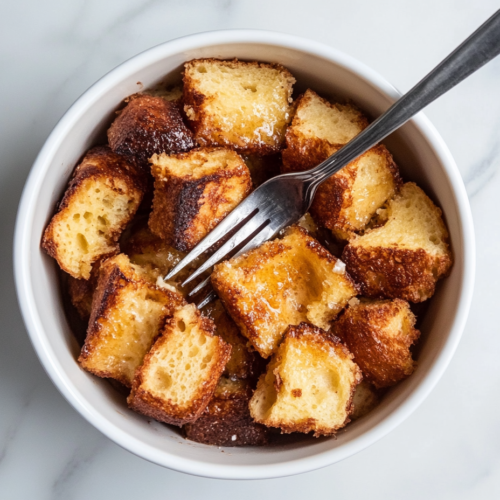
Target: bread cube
[(172, 94), (149, 125), (365, 399), (281, 283), (309, 384), (181, 371), (102, 197), (379, 334), (194, 191), (244, 363), (81, 293), (226, 421), (405, 257), (347, 201), (245, 106), (128, 311)]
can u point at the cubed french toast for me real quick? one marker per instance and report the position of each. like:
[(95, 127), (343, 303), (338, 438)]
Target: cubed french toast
[(194, 191), (181, 371), (244, 363), (406, 256), (226, 420), (171, 93), (282, 282), (81, 293), (379, 334), (245, 106), (128, 311), (102, 197), (365, 399), (309, 384), (347, 201), (149, 125)]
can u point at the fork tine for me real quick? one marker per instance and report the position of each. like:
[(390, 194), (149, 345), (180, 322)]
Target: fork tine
[(199, 286), (249, 230), (254, 242), (243, 211), (207, 299)]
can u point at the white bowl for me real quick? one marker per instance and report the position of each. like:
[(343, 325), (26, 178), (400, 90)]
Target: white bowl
[(418, 149)]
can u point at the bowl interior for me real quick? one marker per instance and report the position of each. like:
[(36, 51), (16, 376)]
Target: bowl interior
[(328, 73)]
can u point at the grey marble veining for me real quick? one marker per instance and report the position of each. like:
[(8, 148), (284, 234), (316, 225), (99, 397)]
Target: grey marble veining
[(52, 51)]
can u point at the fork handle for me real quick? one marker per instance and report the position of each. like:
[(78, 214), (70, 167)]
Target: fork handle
[(482, 46)]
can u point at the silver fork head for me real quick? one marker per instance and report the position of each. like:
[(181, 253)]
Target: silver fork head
[(277, 203)]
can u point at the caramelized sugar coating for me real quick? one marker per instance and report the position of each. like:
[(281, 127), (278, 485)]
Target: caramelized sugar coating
[(347, 201), (406, 256), (226, 420), (128, 311), (309, 384), (181, 371), (244, 363), (149, 125), (194, 191), (379, 334), (103, 195), (281, 283), (245, 106)]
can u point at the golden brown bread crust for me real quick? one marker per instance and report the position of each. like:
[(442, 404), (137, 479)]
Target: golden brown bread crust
[(244, 363), (113, 278), (395, 272), (204, 128), (149, 125), (176, 216), (164, 410), (383, 356), (334, 195), (226, 421), (99, 162)]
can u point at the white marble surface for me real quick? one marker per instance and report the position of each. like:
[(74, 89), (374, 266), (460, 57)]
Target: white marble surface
[(51, 51)]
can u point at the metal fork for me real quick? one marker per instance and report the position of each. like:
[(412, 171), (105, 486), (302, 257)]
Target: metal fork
[(284, 199)]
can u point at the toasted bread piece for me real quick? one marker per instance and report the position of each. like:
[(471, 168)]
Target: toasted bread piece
[(81, 293), (128, 311), (406, 256), (172, 94), (226, 421), (149, 125), (379, 334), (309, 384), (181, 371), (365, 399), (241, 105), (194, 191), (281, 283), (102, 197), (244, 363), (347, 201)]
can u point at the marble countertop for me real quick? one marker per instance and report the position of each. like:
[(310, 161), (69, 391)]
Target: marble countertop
[(52, 51)]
